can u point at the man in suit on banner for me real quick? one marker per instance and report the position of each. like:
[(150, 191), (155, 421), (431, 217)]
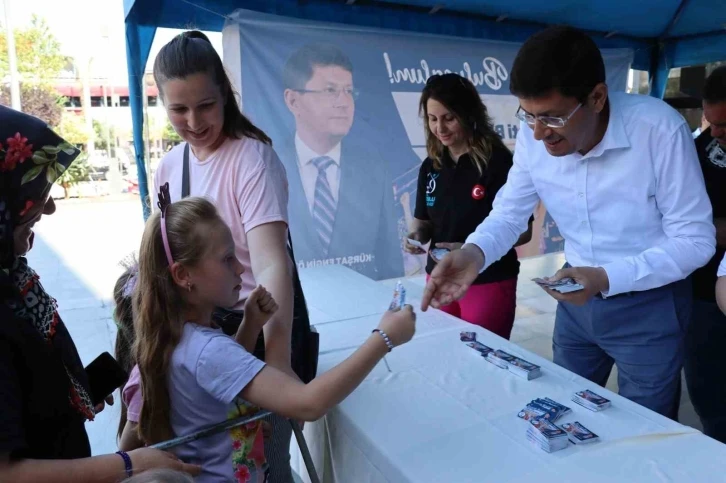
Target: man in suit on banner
[(341, 194)]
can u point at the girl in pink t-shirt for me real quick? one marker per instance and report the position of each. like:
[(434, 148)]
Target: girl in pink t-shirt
[(232, 164)]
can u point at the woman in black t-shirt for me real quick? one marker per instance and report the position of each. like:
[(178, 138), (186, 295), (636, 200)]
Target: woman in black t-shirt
[(467, 163), (44, 391)]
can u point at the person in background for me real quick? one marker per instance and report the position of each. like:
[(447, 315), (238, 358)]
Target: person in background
[(341, 192), (192, 374), (466, 166), (706, 338), (231, 161), (619, 174), (45, 398)]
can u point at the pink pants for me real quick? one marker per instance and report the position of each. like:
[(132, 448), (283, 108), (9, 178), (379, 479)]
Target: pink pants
[(489, 305)]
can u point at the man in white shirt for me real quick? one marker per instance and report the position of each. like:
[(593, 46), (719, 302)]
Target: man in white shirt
[(620, 176), (341, 205)]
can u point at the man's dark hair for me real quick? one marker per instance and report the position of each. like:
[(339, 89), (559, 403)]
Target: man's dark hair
[(299, 67), (561, 59), (714, 90)]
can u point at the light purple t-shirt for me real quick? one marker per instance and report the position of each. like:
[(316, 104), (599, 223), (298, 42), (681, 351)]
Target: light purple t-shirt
[(208, 371)]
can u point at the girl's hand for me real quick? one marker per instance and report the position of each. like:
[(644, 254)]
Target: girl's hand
[(259, 307), (399, 325)]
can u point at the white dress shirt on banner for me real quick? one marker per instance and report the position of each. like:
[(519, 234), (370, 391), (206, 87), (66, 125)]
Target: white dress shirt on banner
[(309, 173), (635, 205)]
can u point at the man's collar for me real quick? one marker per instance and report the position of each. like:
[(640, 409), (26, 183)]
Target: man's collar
[(305, 154), (615, 135)]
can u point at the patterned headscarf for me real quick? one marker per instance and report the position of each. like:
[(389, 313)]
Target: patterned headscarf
[(32, 157)]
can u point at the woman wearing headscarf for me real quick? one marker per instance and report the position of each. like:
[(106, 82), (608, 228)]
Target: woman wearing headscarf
[(44, 395)]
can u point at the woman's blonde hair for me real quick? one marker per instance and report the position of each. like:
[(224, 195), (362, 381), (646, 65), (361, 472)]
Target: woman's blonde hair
[(460, 97), (158, 304)]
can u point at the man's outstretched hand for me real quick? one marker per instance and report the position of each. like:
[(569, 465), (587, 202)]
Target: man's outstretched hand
[(452, 276)]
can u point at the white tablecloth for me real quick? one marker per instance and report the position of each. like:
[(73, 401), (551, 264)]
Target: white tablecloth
[(444, 414), (335, 293)]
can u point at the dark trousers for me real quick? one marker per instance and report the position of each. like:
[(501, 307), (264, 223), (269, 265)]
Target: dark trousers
[(705, 367), (643, 333)]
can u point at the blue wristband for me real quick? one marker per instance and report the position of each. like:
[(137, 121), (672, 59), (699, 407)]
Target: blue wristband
[(127, 463)]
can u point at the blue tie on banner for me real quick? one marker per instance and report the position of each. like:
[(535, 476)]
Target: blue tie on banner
[(351, 94)]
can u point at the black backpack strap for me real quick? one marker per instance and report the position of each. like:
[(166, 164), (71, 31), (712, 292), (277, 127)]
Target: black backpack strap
[(185, 173), (305, 340)]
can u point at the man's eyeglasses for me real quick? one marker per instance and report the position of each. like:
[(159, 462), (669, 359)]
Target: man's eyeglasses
[(331, 93), (549, 121)]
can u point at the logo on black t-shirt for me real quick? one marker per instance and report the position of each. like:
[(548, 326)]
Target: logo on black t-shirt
[(716, 154), (430, 188)]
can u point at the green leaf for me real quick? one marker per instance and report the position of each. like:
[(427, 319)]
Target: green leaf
[(67, 148), (39, 157), (51, 149), (59, 167), (32, 174), (51, 174)]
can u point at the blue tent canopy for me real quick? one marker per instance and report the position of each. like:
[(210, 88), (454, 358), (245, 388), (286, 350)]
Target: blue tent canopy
[(662, 33)]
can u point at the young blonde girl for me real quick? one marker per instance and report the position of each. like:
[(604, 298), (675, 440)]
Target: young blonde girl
[(192, 374), (259, 307)]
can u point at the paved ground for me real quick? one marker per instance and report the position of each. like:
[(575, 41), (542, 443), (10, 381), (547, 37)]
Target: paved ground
[(77, 253)]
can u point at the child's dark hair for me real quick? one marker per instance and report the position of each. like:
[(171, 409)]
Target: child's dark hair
[(191, 53), (124, 318)]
